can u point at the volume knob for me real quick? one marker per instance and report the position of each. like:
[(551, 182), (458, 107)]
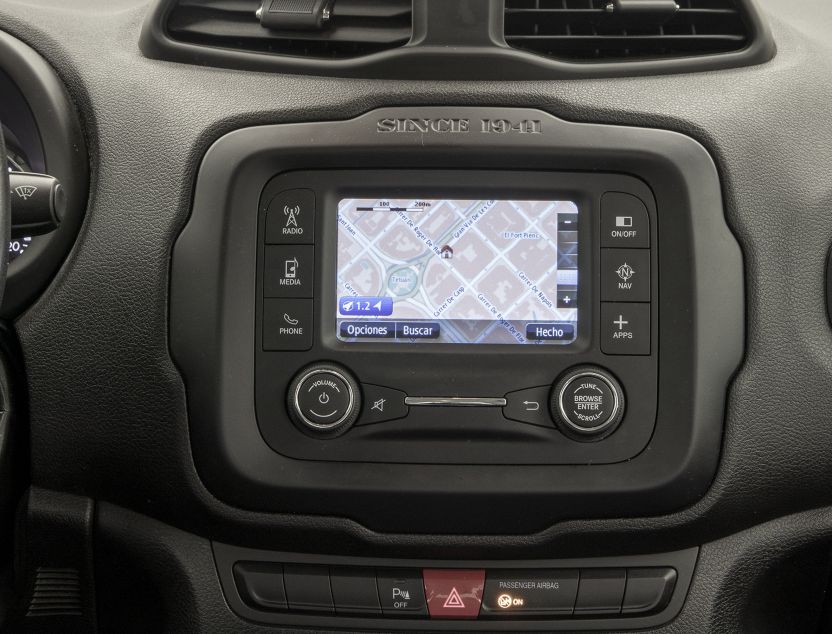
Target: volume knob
[(324, 400)]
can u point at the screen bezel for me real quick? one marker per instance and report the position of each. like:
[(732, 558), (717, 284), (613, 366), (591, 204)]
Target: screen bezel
[(452, 185)]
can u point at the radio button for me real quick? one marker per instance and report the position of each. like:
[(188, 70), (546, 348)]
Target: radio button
[(381, 404), (291, 218), (625, 275), (624, 221), (529, 406)]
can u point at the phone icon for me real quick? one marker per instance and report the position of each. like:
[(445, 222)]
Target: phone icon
[(289, 320)]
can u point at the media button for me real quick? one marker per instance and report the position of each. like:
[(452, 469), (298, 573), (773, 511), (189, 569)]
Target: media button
[(289, 271), (367, 329), (550, 332), (417, 330), (291, 218)]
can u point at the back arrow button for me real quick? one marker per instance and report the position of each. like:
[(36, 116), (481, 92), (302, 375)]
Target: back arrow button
[(524, 406)]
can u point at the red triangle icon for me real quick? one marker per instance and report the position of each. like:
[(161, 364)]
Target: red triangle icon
[(454, 600)]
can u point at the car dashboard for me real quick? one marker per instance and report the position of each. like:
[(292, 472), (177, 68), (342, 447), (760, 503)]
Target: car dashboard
[(429, 315)]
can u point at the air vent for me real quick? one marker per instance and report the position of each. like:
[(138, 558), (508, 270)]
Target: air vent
[(605, 30), (354, 28)]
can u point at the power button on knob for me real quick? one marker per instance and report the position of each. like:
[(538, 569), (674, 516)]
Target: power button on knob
[(324, 400), (587, 403)]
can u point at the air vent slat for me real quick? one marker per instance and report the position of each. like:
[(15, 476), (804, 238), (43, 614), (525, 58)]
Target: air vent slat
[(586, 30), (373, 9), (356, 28), (242, 7), (201, 29)]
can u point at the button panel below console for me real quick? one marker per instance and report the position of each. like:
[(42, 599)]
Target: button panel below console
[(454, 593)]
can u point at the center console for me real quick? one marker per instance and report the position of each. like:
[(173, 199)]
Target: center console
[(457, 316), (456, 320)]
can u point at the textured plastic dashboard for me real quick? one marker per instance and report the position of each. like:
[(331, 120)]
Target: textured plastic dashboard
[(114, 427)]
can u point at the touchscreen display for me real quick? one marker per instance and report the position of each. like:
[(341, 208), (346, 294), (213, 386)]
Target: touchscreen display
[(457, 271)]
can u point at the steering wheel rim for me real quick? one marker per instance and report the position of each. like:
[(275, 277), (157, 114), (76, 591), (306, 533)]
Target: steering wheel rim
[(5, 215)]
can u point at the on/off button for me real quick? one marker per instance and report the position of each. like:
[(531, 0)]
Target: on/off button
[(624, 221)]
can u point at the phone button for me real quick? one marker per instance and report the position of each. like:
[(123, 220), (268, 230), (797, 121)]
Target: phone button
[(287, 324), (290, 218)]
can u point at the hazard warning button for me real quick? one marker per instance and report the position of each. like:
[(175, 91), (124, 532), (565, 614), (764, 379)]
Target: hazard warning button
[(454, 594)]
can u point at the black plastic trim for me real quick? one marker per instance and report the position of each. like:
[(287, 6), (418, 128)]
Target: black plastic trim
[(452, 39), (213, 305), (470, 436), (65, 158), (683, 561)]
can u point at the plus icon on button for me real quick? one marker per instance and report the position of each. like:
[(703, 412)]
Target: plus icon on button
[(620, 322)]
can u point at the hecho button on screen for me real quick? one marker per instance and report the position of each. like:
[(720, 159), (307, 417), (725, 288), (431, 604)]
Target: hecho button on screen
[(529, 592)]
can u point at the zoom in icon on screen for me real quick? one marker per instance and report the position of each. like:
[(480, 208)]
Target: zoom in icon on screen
[(447, 271)]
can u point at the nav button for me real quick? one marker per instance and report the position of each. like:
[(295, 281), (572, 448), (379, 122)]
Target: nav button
[(529, 406)]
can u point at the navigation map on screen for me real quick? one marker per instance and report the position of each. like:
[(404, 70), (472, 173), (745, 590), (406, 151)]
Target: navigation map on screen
[(457, 271)]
